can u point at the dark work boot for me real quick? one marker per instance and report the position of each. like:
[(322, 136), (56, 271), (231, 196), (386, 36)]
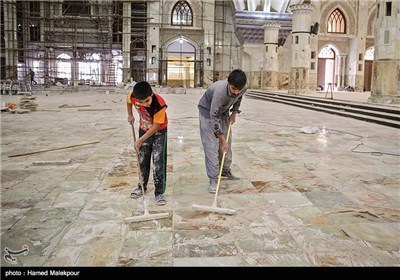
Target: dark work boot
[(229, 175)]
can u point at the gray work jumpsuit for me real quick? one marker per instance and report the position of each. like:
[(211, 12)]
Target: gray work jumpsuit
[(214, 110)]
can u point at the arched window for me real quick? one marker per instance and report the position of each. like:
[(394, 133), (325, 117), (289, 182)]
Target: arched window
[(336, 22), (182, 14), (327, 52), (369, 54)]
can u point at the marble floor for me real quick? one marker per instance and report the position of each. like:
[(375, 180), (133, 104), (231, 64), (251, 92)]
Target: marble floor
[(315, 189)]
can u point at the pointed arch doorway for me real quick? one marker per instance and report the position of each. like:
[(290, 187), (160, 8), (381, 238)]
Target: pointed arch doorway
[(64, 65), (181, 64), (369, 59), (327, 66)]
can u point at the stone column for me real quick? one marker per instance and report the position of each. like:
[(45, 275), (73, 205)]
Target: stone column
[(343, 65), (10, 37), (153, 43), (338, 74), (341, 70), (301, 27), (74, 62), (386, 66), (360, 43), (209, 44), (270, 64), (126, 43)]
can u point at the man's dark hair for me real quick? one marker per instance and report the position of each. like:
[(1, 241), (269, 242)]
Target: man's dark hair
[(142, 90), (237, 78)]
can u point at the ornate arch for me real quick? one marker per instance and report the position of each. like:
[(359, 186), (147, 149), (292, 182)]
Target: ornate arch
[(347, 11), (336, 48), (173, 38), (182, 14), (367, 49), (169, 35)]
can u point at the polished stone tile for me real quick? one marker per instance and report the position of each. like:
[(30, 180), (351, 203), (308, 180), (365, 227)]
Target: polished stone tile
[(285, 199), (323, 199), (276, 259), (367, 257), (146, 244), (324, 238), (230, 261), (302, 216), (88, 255), (387, 214), (380, 235), (262, 240), (326, 199)]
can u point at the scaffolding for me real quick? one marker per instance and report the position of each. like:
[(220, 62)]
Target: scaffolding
[(71, 43), (227, 47)]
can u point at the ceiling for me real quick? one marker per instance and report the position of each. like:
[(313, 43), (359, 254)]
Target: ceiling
[(250, 16), (268, 6)]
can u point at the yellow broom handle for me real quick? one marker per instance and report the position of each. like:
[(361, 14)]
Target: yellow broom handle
[(229, 132), (222, 161)]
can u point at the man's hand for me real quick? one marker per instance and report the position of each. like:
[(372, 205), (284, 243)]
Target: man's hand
[(222, 144), (224, 147), (131, 119), (232, 118)]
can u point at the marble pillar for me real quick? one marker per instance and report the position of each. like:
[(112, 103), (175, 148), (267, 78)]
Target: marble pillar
[(270, 61), (153, 44), (341, 83), (386, 66), (126, 43), (301, 30)]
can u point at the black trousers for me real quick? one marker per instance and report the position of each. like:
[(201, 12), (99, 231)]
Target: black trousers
[(155, 147)]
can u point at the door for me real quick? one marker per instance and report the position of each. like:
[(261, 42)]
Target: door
[(321, 72), (367, 75)]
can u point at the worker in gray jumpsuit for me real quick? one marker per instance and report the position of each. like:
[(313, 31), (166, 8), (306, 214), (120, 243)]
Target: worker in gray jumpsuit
[(217, 109)]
